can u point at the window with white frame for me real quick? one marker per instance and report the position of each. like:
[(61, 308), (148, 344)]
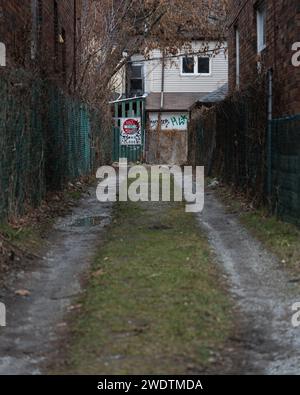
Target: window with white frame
[(196, 65), (261, 15), (204, 65), (188, 65), (2, 55), (237, 57), (136, 80)]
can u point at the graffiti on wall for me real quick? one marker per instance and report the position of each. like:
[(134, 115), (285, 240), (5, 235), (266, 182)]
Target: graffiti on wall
[(169, 121)]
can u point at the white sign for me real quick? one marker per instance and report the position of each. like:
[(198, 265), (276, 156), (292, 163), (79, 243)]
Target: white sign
[(131, 131), (170, 121)]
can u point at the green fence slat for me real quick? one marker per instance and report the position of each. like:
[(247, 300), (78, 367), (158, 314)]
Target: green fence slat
[(47, 139)]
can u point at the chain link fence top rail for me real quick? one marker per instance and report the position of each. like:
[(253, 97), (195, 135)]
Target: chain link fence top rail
[(47, 138)]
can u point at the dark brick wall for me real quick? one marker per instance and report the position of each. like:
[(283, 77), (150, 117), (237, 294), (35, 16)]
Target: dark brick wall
[(283, 29), (15, 30), (25, 31)]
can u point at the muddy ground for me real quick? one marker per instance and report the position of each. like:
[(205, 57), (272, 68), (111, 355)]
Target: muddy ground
[(35, 321), (264, 293), (266, 342)]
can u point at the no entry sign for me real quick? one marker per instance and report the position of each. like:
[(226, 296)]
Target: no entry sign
[(131, 131)]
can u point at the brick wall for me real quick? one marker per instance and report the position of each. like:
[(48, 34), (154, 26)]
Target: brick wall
[(34, 39), (283, 29), (15, 30)]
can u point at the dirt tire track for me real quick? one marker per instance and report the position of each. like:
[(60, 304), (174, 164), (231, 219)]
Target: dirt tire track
[(33, 322), (263, 291)]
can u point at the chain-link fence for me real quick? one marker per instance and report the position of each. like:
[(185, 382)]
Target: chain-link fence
[(47, 138), (229, 140), (285, 162)]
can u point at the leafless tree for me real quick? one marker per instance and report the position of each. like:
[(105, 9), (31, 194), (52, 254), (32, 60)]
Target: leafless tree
[(113, 30)]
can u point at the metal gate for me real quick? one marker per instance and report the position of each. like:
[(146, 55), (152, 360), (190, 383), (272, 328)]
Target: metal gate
[(127, 110)]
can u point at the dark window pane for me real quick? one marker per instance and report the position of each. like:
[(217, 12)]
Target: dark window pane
[(137, 85), (203, 66), (188, 65), (136, 71)]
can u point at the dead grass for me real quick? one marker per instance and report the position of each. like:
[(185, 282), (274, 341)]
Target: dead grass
[(280, 238), (155, 302)]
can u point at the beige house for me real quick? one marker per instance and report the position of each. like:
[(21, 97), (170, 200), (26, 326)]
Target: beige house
[(172, 84)]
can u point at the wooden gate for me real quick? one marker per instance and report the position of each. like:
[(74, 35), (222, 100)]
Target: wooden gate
[(130, 113)]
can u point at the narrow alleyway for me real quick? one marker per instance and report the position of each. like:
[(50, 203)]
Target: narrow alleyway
[(156, 301), (154, 298)]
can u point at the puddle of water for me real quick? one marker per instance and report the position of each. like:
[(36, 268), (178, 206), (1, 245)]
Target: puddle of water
[(88, 222), (160, 227)]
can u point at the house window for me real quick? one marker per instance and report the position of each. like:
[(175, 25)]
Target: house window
[(63, 43), (237, 57), (195, 65), (188, 65), (136, 80), (37, 21), (56, 33), (2, 55), (261, 27), (203, 65)]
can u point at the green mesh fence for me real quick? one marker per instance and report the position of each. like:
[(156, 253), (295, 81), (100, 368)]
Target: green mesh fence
[(230, 140), (286, 168), (46, 139), (69, 140), (22, 178)]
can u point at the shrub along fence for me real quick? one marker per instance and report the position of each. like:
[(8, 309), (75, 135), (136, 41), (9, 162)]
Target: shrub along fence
[(230, 140), (47, 138)]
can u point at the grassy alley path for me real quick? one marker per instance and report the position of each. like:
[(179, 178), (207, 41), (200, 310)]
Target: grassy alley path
[(155, 302)]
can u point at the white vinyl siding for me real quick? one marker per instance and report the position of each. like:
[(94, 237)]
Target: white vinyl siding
[(175, 81)]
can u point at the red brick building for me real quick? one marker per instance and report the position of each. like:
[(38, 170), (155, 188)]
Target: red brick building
[(261, 37), (43, 34)]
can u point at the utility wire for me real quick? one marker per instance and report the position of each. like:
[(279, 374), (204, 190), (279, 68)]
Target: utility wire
[(205, 52)]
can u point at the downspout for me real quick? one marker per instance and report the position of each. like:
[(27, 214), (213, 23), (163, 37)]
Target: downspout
[(269, 135), (162, 97), (162, 94)]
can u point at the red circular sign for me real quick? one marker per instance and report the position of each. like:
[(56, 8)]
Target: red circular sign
[(131, 126)]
